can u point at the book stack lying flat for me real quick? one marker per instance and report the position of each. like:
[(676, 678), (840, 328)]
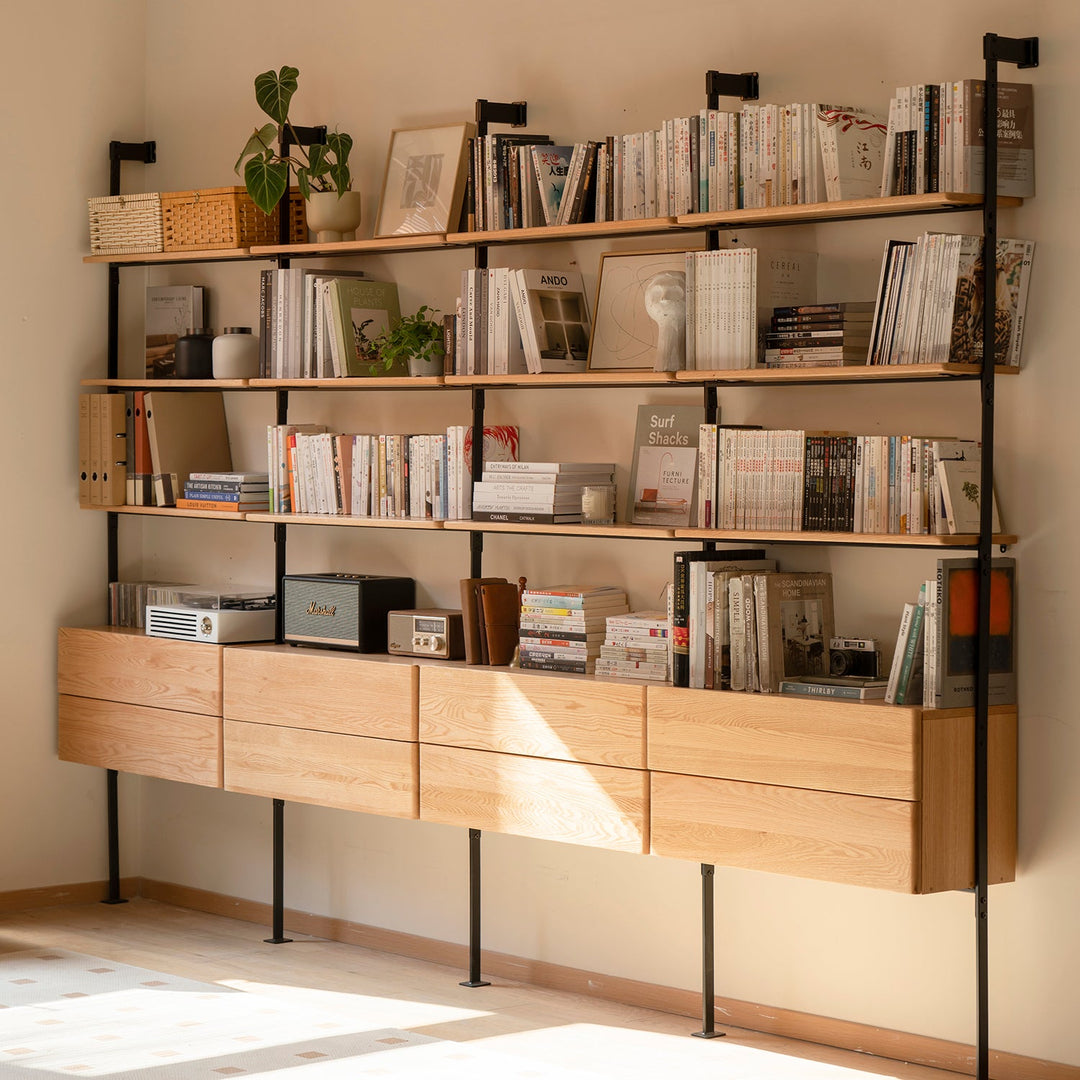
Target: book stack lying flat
[(536, 492), (819, 335), (237, 492), (636, 646), (562, 627)]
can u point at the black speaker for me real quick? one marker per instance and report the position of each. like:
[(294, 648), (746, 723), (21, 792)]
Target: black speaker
[(342, 611)]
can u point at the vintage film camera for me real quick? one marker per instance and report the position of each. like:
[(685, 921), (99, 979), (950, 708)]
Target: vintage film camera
[(854, 656)]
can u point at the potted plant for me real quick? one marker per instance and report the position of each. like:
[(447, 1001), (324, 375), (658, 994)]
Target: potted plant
[(416, 340), (322, 169)]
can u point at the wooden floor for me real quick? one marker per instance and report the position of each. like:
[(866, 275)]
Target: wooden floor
[(550, 1028)]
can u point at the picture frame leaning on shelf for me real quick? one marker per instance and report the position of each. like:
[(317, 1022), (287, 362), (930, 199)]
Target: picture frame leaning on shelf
[(424, 183)]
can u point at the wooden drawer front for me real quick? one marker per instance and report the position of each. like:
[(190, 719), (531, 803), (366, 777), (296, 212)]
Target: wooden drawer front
[(132, 738), (549, 800), (776, 739), (321, 690), (948, 816), (537, 714), (374, 776), (126, 665), (815, 834)]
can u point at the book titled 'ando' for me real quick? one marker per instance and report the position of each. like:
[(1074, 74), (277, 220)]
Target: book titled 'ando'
[(553, 318), (664, 465)]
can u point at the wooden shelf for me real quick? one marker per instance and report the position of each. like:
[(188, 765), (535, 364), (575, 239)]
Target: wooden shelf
[(169, 384), (586, 230), (380, 245), (960, 540), (616, 531), (170, 511), (857, 373), (569, 379), (347, 520), (848, 210), (373, 382), (157, 258)]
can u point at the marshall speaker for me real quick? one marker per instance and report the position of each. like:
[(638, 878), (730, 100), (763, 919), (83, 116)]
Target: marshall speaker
[(342, 611)]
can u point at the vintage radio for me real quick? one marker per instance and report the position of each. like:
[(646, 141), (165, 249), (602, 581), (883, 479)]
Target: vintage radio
[(342, 611), (426, 632)]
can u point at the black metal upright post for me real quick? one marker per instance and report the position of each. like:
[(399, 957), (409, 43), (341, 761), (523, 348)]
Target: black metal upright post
[(744, 86), (113, 812), (146, 153), (708, 953), (474, 978), (1024, 53), (278, 929)]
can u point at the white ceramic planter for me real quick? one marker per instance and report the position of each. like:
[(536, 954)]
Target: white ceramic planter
[(332, 218)]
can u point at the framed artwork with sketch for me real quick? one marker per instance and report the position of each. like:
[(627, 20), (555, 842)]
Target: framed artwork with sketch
[(639, 321), (424, 184)]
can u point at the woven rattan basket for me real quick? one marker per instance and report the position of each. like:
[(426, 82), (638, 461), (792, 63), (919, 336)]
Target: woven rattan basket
[(125, 224), (225, 218)]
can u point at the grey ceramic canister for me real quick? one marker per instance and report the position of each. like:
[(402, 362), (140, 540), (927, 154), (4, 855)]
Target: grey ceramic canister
[(236, 354)]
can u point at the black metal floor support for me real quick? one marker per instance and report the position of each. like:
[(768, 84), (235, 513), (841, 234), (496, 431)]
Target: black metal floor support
[(474, 911), (113, 812), (279, 876), (708, 952)]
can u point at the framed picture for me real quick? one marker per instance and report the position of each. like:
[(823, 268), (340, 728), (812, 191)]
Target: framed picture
[(630, 333), (424, 183)]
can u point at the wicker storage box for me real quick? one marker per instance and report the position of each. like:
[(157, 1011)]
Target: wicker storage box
[(125, 224), (225, 218)]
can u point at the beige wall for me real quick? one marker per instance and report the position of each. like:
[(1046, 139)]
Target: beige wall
[(586, 70)]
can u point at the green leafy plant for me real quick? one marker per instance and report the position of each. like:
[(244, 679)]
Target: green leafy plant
[(321, 167), (414, 335)]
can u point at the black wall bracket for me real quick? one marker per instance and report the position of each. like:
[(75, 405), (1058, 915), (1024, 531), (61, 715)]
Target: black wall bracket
[(720, 84), (514, 113), (144, 152), (1023, 52)]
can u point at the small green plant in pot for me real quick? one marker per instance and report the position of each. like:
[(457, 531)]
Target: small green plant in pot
[(416, 341), (320, 169)]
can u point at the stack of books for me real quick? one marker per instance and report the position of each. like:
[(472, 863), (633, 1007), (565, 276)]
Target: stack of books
[(536, 492), (229, 491), (636, 646), (929, 305), (818, 335), (562, 627)]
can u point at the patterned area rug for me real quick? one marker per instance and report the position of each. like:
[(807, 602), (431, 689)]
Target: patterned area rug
[(67, 1014)]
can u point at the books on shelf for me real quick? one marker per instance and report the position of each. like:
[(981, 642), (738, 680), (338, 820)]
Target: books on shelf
[(187, 433), (852, 152), (794, 623), (663, 468), (427, 476), (847, 687), (562, 627), (531, 492), (553, 319), (171, 311), (929, 303), (936, 142), (951, 640), (236, 492), (797, 337), (635, 646)]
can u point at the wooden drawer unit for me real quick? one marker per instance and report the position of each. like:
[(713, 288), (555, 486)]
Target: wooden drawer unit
[(537, 714), (118, 664), (871, 795), (140, 704), (322, 690), (133, 738), (594, 805), (350, 772)]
